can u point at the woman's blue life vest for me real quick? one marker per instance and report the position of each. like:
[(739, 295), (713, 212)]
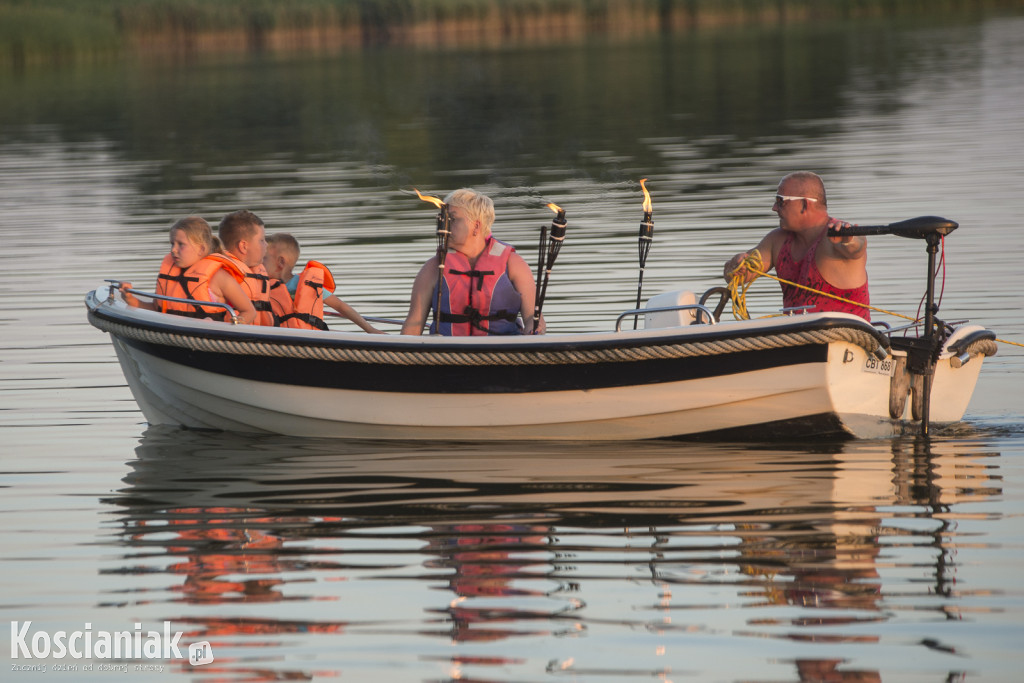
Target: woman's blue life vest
[(478, 300)]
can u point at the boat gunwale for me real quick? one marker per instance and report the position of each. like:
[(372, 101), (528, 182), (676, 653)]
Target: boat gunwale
[(626, 339)]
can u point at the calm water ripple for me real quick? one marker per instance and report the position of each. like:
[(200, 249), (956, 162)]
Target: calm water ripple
[(305, 560)]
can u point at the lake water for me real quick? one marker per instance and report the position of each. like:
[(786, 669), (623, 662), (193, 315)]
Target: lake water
[(895, 560)]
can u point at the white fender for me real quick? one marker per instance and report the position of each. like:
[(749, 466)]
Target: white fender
[(677, 318)]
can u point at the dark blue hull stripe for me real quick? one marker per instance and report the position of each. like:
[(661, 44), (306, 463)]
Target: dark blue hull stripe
[(488, 379)]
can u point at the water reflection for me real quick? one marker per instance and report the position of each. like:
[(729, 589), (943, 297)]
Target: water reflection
[(479, 545), (487, 561)]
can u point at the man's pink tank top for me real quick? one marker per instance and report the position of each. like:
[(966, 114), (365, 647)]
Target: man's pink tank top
[(805, 272)]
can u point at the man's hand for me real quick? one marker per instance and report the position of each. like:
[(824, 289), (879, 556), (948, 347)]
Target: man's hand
[(735, 267), (846, 246), (838, 225)]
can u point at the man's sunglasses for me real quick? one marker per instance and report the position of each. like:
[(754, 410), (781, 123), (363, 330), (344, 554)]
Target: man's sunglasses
[(779, 198)]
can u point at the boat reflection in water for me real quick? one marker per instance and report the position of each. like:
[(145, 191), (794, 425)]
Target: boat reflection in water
[(314, 557)]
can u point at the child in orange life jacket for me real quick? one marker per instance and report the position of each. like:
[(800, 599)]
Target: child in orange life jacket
[(244, 238), (192, 271), (282, 255)]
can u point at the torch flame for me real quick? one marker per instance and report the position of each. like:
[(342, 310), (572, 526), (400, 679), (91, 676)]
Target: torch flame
[(554, 207), (647, 196), (433, 200)]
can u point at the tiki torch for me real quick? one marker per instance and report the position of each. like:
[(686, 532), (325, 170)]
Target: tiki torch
[(547, 258), (444, 231), (646, 237)]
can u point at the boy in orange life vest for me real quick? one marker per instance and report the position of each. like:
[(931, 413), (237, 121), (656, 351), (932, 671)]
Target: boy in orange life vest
[(192, 271), (244, 239), (282, 255)]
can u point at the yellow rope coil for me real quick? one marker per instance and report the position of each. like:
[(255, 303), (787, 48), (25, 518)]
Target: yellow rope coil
[(738, 283)]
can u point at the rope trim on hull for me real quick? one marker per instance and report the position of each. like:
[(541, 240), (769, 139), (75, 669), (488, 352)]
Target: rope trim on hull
[(527, 356)]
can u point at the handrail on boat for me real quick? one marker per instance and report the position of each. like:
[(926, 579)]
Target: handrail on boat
[(375, 319), (890, 330), (163, 297), (665, 309), (216, 304)]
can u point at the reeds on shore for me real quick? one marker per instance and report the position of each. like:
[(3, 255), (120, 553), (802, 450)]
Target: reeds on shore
[(49, 30)]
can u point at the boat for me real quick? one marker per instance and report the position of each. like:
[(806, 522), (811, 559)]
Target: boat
[(685, 374)]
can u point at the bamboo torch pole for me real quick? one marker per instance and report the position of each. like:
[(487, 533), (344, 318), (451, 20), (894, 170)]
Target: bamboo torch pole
[(645, 239)]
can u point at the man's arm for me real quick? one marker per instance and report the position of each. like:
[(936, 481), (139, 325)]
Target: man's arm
[(849, 247), (843, 259), (766, 249)]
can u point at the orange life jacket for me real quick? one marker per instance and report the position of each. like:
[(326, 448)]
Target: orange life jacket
[(257, 286), (306, 310), (193, 283), (281, 304)]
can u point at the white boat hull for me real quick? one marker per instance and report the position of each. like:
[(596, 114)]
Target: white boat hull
[(623, 386)]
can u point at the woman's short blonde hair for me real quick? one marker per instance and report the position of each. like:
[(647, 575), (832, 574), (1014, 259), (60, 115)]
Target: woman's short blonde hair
[(478, 207)]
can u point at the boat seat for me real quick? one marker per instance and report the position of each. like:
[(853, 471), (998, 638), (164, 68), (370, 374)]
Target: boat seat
[(677, 318)]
